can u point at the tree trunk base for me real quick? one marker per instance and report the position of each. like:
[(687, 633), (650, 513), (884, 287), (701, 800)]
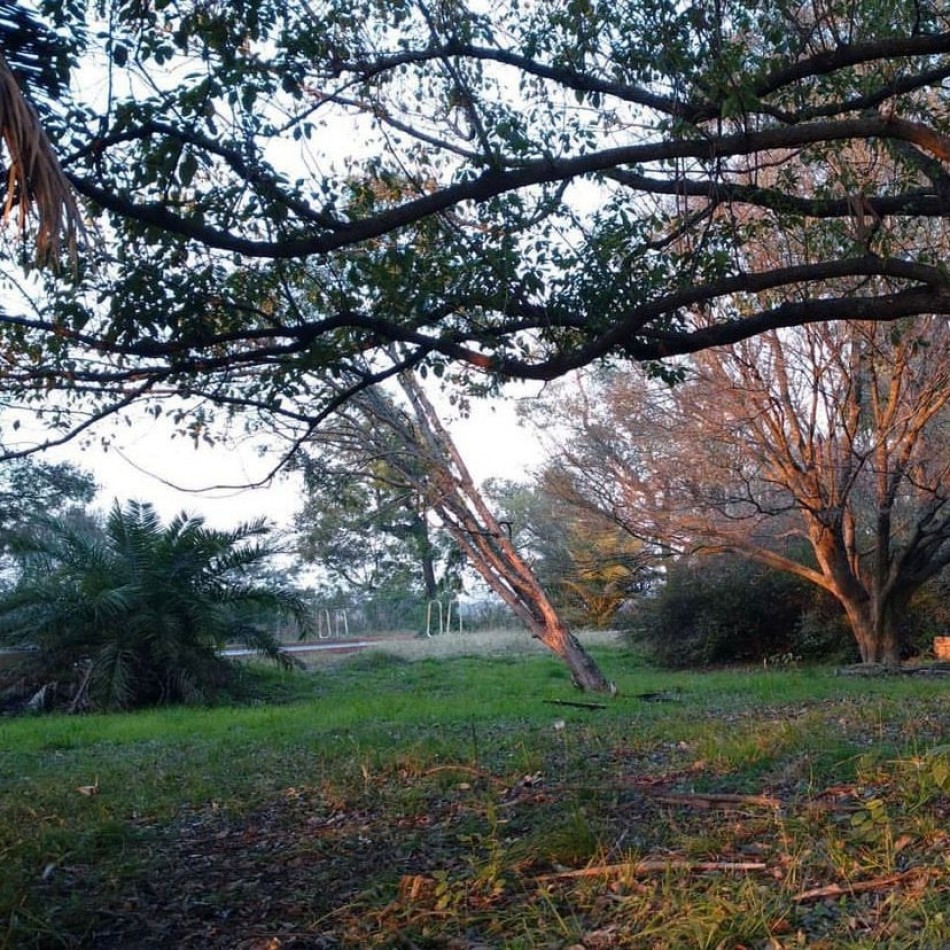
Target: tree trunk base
[(585, 673)]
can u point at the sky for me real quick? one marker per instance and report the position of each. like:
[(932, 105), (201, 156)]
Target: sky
[(146, 463)]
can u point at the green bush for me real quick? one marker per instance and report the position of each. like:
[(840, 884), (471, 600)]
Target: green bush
[(726, 609)]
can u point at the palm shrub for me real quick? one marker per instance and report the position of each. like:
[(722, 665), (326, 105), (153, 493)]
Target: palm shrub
[(136, 613)]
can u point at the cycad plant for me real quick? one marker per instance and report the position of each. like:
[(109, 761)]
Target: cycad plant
[(136, 614)]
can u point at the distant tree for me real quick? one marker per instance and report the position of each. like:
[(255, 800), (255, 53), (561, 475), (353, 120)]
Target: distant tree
[(32, 490), (135, 614), (367, 526), (835, 435), (589, 565)]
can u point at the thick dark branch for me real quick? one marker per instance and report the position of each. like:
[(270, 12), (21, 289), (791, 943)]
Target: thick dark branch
[(918, 203), (582, 82), (855, 54), (491, 184), (887, 307), (874, 99), (697, 111), (630, 333), (253, 173)]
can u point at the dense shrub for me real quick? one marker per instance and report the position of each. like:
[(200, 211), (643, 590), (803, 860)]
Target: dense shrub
[(726, 609), (928, 615), (136, 613)]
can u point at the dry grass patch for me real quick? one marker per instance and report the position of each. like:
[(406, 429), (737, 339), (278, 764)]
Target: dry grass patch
[(483, 643)]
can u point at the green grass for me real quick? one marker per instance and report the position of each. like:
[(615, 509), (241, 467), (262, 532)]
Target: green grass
[(384, 803)]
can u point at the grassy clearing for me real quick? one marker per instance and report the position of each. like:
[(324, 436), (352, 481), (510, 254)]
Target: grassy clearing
[(457, 803)]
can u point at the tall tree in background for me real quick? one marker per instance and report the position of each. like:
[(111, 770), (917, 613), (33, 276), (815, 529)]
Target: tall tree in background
[(366, 525), (287, 188), (589, 565), (412, 441), (838, 435)]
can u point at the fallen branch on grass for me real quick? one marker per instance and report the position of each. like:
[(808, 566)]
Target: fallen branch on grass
[(715, 799), (859, 887), (576, 705), (657, 866)]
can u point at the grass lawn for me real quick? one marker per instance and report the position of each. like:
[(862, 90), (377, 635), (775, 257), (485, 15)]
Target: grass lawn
[(457, 803)]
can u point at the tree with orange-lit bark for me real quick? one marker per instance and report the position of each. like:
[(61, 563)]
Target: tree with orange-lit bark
[(407, 435), (822, 451)]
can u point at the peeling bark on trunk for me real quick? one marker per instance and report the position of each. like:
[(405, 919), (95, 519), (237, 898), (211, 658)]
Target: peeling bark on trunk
[(529, 602), (433, 465)]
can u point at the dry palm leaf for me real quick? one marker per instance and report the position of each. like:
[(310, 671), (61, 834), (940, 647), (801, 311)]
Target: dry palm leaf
[(35, 181)]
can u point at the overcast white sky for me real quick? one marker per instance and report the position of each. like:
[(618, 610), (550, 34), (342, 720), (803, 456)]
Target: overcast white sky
[(490, 440)]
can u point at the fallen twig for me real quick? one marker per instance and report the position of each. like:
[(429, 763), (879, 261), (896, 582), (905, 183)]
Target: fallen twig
[(568, 702), (656, 866), (714, 799), (858, 887)]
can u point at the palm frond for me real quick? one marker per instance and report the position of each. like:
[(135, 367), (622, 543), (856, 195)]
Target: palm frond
[(36, 183), (114, 675), (149, 605)]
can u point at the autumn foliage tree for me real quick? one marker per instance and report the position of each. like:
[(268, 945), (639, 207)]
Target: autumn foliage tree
[(837, 436)]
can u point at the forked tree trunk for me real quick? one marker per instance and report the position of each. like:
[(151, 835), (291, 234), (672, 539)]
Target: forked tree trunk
[(494, 557), (433, 465), (529, 602), (874, 606), (876, 631)]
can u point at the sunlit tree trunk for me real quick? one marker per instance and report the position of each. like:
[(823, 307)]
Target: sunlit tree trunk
[(876, 631), (431, 461)]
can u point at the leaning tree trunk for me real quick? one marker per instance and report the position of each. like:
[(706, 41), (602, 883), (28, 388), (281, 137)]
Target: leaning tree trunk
[(555, 635), (493, 555), (431, 462)]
